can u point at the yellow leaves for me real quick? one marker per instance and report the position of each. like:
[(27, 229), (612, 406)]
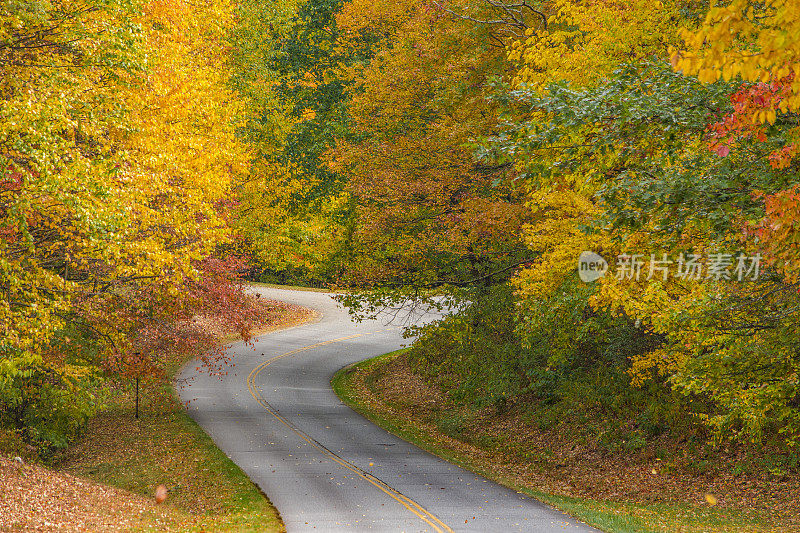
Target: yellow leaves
[(674, 58), (378, 17), (760, 42), (654, 303), (708, 75), (586, 40), (124, 167), (187, 121), (556, 235), (662, 362)]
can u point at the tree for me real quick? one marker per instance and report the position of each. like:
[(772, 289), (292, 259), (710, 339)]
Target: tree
[(427, 215), (294, 209), (117, 152), (656, 163), (759, 45)]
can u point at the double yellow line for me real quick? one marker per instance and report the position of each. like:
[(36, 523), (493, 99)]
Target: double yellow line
[(405, 501)]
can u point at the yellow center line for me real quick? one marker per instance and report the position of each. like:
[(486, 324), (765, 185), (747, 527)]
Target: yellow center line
[(405, 501)]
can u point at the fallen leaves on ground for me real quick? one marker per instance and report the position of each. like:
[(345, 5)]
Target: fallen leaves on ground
[(35, 498), (202, 489), (276, 315)]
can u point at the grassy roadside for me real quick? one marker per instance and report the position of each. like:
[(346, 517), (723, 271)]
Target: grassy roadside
[(206, 490), (366, 387), (166, 447)]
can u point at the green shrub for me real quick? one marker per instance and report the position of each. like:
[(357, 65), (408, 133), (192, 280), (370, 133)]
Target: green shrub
[(562, 359), (44, 405)]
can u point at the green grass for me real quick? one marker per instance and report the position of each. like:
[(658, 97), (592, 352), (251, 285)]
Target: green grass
[(206, 490), (166, 447), (613, 516), (630, 517)]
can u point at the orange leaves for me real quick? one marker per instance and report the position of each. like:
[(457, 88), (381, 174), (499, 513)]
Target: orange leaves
[(760, 43), (755, 107), (381, 17), (169, 12), (779, 232), (425, 210), (781, 158)]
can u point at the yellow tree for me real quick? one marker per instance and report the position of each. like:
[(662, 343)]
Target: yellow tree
[(426, 213), (582, 43), (117, 147), (672, 170), (759, 44)]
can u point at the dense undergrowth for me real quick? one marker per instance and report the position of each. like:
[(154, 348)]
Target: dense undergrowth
[(569, 370)]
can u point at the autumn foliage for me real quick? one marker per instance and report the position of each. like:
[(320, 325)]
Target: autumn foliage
[(460, 149), (473, 149), (118, 154)]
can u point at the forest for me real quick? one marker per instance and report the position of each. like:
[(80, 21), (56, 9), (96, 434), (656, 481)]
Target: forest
[(473, 150), (158, 154)]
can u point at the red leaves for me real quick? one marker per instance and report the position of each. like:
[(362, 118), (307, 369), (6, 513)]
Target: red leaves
[(754, 108), (781, 158), (8, 233), (161, 324), (12, 181)]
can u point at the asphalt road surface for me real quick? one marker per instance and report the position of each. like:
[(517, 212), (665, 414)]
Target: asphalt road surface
[(325, 467)]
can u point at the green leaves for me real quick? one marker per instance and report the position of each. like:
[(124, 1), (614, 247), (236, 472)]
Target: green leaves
[(47, 405), (631, 163)]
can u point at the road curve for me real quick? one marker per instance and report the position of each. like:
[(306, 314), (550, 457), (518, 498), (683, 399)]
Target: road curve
[(325, 467)]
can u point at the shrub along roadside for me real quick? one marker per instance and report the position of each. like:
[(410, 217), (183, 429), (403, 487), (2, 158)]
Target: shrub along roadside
[(616, 488)]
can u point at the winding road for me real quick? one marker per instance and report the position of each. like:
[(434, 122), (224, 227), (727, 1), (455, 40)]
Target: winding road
[(325, 467)]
